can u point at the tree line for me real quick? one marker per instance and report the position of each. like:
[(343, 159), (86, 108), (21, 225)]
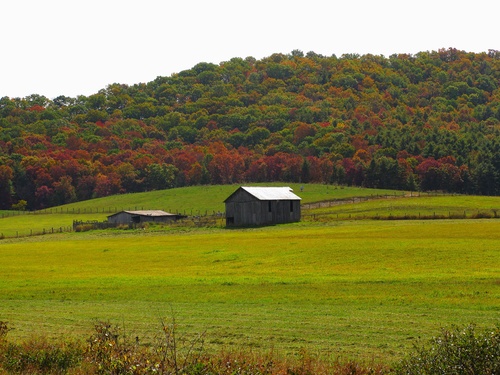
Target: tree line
[(429, 121)]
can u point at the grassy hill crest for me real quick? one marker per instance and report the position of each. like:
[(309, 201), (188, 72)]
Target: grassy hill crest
[(422, 122)]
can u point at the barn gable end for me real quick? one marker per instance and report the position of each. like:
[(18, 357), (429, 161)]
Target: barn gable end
[(249, 206)]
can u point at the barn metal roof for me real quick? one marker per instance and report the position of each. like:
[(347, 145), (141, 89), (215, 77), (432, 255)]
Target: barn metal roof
[(156, 213), (271, 193), (150, 213)]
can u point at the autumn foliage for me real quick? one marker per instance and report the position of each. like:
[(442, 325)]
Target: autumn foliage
[(429, 121)]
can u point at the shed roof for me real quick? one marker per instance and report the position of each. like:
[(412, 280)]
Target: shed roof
[(270, 193), (155, 213)]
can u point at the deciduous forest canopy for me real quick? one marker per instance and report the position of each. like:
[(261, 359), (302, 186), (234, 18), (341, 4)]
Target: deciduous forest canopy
[(429, 121)]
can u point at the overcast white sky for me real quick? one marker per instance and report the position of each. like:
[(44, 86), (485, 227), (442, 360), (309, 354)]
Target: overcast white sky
[(77, 47)]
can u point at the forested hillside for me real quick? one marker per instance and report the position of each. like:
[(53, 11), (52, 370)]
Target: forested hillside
[(429, 121)]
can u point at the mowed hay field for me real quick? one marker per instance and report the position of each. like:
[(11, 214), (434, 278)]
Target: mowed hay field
[(364, 289)]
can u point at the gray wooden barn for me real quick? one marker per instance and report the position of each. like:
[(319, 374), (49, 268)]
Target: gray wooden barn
[(137, 217), (249, 206)]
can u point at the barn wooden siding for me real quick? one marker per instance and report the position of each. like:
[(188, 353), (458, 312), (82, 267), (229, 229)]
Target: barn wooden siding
[(245, 209)]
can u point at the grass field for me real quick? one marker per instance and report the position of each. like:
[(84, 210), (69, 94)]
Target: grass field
[(195, 200), (426, 205), (354, 289)]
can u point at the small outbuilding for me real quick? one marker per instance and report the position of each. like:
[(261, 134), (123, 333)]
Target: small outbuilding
[(137, 217), (249, 206)]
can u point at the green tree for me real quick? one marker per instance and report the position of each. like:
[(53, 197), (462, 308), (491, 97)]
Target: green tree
[(160, 176), (6, 187), (487, 179)]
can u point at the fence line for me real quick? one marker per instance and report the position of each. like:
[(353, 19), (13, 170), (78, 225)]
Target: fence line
[(103, 210), (339, 201), (192, 212), (476, 214), (43, 231), (202, 219), (217, 219)]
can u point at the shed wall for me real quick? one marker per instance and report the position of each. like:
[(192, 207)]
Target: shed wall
[(120, 218), (245, 210), (127, 218)]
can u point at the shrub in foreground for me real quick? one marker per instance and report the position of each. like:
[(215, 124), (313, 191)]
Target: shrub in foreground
[(108, 351), (37, 356), (456, 352)]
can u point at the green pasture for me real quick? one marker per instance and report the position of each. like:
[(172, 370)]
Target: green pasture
[(457, 206), (198, 200), (191, 201), (354, 289)]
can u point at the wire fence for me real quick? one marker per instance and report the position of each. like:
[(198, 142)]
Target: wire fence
[(102, 210), (36, 232), (471, 214), (196, 212), (200, 219), (206, 218), (350, 200)]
